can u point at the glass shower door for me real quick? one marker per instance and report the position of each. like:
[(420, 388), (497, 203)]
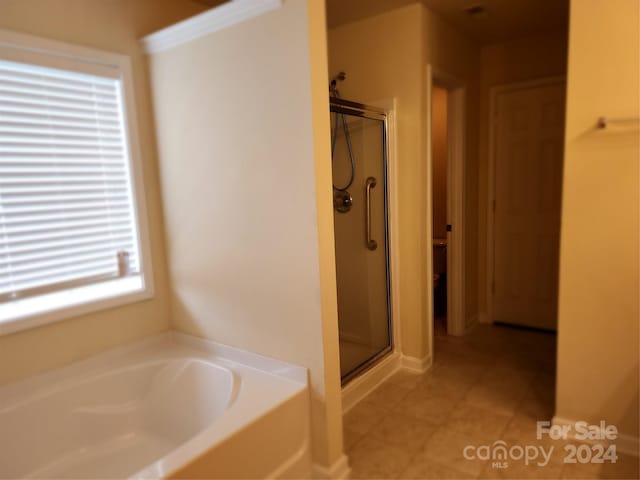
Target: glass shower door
[(360, 217)]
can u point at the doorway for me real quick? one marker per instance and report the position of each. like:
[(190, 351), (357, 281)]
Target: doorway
[(446, 140)]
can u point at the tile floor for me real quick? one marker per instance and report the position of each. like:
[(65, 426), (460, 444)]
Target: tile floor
[(440, 325), (490, 385)]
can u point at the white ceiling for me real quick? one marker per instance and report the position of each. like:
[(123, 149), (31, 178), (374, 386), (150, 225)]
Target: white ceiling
[(504, 19)]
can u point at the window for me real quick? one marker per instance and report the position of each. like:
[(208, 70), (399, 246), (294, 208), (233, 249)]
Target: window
[(70, 236)]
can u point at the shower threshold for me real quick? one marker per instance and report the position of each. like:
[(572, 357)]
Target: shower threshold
[(356, 369)]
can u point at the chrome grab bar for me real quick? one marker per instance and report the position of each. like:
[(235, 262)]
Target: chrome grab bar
[(371, 183)]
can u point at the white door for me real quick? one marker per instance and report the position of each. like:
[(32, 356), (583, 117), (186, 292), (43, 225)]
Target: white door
[(528, 152)]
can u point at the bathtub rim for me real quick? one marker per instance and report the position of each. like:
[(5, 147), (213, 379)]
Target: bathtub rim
[(86, 366), (223, 356)]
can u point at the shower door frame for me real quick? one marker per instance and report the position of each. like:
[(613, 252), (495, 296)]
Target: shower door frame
[(339, 105)]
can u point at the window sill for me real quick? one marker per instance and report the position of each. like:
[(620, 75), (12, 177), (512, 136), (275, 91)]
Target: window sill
[(53, 307)]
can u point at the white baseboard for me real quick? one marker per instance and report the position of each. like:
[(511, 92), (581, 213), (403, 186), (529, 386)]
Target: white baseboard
[(361, 386), (339, 470), (627, 444), (417, 365), (366, 383)]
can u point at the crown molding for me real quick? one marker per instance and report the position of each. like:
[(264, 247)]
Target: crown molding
[(212, 20)]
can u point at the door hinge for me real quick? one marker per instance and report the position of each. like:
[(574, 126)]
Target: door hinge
[(449, 227), (494, 205)]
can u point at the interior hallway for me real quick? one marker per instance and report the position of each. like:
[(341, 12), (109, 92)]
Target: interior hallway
[(492, 384)]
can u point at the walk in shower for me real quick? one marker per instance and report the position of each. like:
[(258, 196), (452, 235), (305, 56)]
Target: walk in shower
[(359, 160)]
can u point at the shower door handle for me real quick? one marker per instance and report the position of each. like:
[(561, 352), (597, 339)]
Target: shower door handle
[(371, 183)]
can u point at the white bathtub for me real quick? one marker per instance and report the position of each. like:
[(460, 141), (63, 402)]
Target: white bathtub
[(172, 406)]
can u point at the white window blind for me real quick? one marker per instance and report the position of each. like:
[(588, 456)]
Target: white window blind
[(67, 215)]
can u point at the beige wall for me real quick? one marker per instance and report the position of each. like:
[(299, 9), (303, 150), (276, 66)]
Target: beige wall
[(116, 26), (242, 120), (439, 158), (520, 60), (326, 248), (599, 263), (385, 57)]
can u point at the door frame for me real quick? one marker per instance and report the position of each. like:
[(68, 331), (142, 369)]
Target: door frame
[(491, 179), (456, 133), (393, 227)]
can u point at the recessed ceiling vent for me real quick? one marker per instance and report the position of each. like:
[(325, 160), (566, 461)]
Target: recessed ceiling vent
[(476, 11)]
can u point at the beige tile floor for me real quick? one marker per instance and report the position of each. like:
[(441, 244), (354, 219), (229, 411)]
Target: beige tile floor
[(490, 385)]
